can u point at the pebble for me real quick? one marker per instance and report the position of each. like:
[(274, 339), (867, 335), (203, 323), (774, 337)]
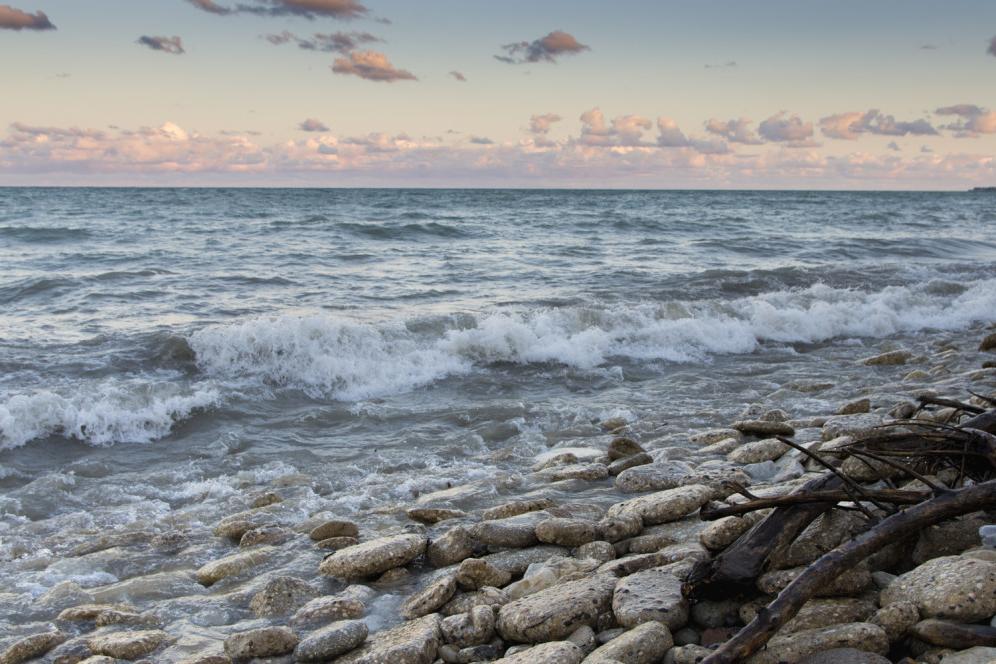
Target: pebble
[(623, 447), (32, 646), (516, 508), (434, 515), (329, 608), (768, 449), (334, 528), (475, 573), (280, 596), (475, 627), (763, 428), (653, 477), (430, 599), (620, 465), (454, 545), (335, 639)]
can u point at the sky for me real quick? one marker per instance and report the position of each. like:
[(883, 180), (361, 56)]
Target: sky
[(715, 94)]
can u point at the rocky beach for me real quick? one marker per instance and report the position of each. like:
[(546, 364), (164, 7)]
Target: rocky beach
[(584, 556)]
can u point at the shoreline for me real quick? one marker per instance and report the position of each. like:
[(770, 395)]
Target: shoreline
[(269, 577)]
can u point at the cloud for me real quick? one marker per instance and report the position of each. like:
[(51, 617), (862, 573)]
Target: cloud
[(624, 130), (481, 140), (16, 19), (669, 135), (541, 124), (972, 120), (544, 49), (312, 124), (333, 42), (735, 131), (458, 76), (929, 47), (341, 9), (848, 126), (784, 128), (172, 45), (992, 47), (371, 65), (729, 64), (894, 146)]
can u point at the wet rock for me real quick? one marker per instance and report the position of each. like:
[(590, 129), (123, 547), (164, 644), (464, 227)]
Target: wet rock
[(113, 617), (603, 552), (664, 506), (651, 595), (817, 613), (454, 545), (266, 498), (844, 656), (475, 573), (763, 428), (556, 652), (850, 582), (392, 578), (556, 612), (855, 426), (892, 358), (414, 642), (68, 652), (475, 627), (263, 642), (653, 477), (896, 619), (954, 587), (796, 646), (720, 533), (466, 602), (280, 596), (591, 472), (430, 599), (126, 645), (566, 532), (89, 612), (433, 515), (623, 447), (233, 565), (652, 539), (337, 543), (855, 407), (513, 532), (265, 535), (618, 466), (768, 449), (644, 644), (517, 561), (562, 459), (334, 528), (616, 528), (713, 436), (32, 646), (237, 525), (330, 641), (516, 508), (374, 557), (330, 608), (162, 585), (722, 447), (988, 342)]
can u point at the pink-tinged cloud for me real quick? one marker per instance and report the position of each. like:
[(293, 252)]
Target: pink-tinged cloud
[(210, 6), (623, 131), (341, 9), (784, 128), (334, 42), (172, 45), (16, 19), (541, 124), (669, 135), (371, 65), (312, 124), (544, 49), (458, 76), (735, 131), (972, 120), (849, 126)]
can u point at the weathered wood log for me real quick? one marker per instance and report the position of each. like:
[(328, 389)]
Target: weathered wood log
[(948, 505), (735, 570), (983, 422), (951, 403), (894, 496)]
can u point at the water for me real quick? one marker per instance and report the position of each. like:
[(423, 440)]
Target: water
[(164, 353)]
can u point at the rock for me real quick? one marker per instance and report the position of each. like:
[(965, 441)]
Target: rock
[(896, 619), (988, 342), (892, 358), (763, 428), (430, 599), (855, 407), (485, 652), (151, 587), (337, 543), (651, 539), (126, 645), (32, 646), (89, 612), (613, 424), (266, 498), (977, 655), (651, 595), (475, 573), (614, 529), (591, 472), (690, 654), (516, 508), (515, 532), (955, 587), (817, 613), (334, 528), (716, 613), (768, 449), (664, 506), (262, 642), (540, 576), (946, 634), (566, 532), (713, 436), (949, 537), (265, 535), (603, 552), (557, 652), (653, 477), (517, 561), (623, 447), (466, 602), (236, 525), (618, 466), (793, 647), (330, 608), (850, 582), (112, 617), (720, 533), (870, 470), (414, 642), (475, 627), (688, 553), (584, 638), (374, 557), (433, 515), (330, 641), (455, 545), (645, 644), (281, 595), (855, 426), (826, 533), (562, 459), (556, 612), (233, 565), (844, 656)]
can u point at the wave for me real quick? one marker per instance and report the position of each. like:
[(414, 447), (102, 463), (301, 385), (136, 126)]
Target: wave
[(133, 411), (331, 357)]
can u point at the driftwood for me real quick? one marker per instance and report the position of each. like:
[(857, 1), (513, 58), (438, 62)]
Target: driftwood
[(948, 505), (894, 496), (947, 634)]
